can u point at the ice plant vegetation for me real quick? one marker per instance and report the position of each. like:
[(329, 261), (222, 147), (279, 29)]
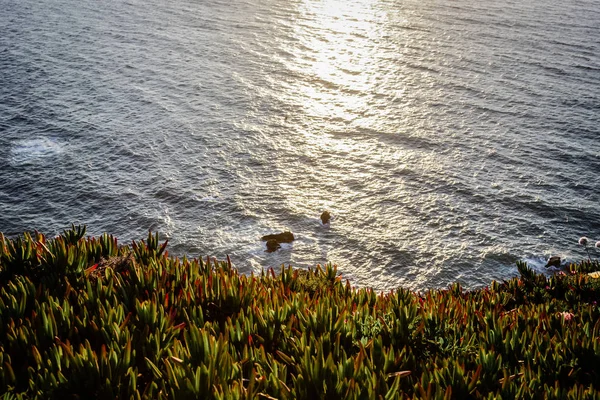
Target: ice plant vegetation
[(89, 318)]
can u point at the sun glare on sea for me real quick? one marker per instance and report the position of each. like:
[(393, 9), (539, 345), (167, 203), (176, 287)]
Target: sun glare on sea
[(338, 52)]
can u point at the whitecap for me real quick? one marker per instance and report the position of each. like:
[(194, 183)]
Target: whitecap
[(536, 263), (32, 150)]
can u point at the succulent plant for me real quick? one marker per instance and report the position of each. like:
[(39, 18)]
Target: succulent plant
[(83, 316)]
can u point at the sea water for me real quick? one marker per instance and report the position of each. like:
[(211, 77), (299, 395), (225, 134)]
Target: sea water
[(447, 139)]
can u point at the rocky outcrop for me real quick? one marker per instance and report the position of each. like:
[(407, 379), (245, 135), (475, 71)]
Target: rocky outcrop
[(272, 245), (553, 261), (274, 240), (283, 237)]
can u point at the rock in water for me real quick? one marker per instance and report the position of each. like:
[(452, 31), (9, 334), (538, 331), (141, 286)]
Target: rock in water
[(553, 261), (284, 237), (272, 245), (325, 217)]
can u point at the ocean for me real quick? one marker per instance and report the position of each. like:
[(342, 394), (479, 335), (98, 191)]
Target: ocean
[(448, 139)]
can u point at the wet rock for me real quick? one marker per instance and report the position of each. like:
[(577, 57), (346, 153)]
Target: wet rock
[(283, 237), (325, 217), (553, 261), (272, 245)]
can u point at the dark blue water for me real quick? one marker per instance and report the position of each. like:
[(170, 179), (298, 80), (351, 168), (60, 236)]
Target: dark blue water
[(449, 140)]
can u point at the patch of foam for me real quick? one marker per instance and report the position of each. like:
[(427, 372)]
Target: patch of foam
[(32, 150), (536, 263), (208, 199)]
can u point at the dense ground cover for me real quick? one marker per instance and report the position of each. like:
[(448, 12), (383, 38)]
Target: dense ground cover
[(86, 318)]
